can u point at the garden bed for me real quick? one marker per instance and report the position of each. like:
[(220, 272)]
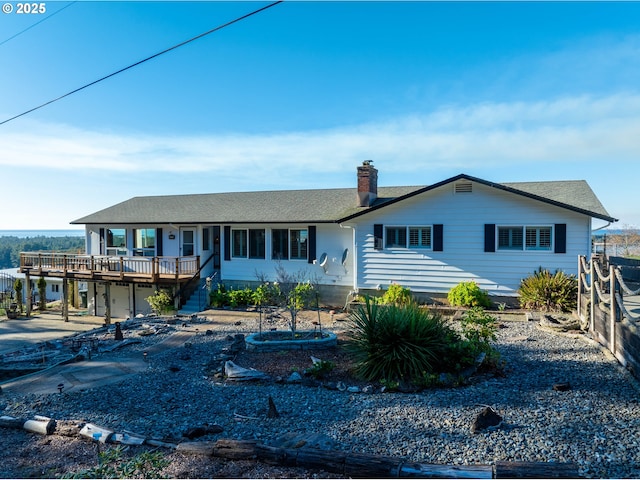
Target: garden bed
[(275, 341)]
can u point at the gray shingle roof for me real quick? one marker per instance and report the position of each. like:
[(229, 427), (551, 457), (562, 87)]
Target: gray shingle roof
[(313, 206)]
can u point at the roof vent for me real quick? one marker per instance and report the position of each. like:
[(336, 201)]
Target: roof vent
[(463, 187)]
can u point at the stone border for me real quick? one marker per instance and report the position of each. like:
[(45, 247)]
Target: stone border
[(254, 345)]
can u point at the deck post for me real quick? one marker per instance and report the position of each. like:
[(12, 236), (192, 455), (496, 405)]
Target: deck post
[(107, 303), (27, 281), (579, 303), (65, 299)]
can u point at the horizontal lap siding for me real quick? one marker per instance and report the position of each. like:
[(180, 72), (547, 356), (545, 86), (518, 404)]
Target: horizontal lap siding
[(463, 258)]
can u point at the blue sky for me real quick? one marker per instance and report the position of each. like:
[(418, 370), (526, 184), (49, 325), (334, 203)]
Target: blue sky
[(300, 94)]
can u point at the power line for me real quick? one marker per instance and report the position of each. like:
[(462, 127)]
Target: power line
[(220, 27), (37, 23)]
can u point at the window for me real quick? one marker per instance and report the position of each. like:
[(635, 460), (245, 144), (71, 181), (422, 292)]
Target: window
[(55, 288), (280, 244), (538, 238), (510, 238), (206, 239), (412, 237), (420, 237), (524, 238), (239, 243), (248, 243), (116, 241), (144, 242), (396, 237), (257, 243), (298, 244)]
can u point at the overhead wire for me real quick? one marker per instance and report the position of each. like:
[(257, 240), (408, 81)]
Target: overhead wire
[(37, 23), (197, 37)]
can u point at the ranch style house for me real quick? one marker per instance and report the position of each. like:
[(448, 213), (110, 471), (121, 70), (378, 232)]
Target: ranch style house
[(362, 239)]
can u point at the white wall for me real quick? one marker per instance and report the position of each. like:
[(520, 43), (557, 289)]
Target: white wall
[(463, 216)]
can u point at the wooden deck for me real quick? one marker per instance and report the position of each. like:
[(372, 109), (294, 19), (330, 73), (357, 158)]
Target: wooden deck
[(106, 268)]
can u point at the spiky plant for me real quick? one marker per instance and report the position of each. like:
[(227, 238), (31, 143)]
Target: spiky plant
[(549, 292), (392, 342)]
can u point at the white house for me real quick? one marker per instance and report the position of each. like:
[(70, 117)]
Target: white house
[(53, 288), (428, 238)]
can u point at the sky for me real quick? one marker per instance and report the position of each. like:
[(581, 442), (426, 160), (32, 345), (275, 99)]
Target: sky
[(298, 95)]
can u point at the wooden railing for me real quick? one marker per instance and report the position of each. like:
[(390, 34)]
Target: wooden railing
[(101, 266)]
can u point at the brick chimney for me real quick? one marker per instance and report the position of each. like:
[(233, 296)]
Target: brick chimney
[(367, 184)]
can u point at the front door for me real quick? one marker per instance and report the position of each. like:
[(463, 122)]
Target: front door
[(187, 241)]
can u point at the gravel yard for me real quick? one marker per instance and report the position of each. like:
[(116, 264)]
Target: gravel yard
[(595, 424)]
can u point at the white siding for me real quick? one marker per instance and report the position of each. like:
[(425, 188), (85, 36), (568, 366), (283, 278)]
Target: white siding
[(463, 216)]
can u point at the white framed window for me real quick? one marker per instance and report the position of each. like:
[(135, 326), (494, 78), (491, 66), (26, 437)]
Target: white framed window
[(408, 237), (144, 242), (239, 243), (524, 237)]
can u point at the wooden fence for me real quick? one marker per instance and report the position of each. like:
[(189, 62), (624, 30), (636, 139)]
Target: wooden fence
[(601, 303)]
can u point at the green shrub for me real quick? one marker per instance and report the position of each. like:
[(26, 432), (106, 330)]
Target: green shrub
[(240, 298), (161, 302), (267, 293), (219, 297), (391, 342), (397, 295), (468, 294), (557, 292), (320, 369)]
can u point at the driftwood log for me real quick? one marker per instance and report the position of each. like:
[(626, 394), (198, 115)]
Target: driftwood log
[(348, 464)]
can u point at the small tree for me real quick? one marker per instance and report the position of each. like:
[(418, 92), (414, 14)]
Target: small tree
[(295, 292), (42, 294), (17, 286)]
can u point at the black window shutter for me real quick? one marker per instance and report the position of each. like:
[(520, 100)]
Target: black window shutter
[(437, 237), (312, 243), (561, 237), (227, 243), (102, 250), (489, 237), (159, 242), (377, 236)]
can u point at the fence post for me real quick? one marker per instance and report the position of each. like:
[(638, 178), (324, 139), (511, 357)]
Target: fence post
[(579, 304), (592, 297), (612, 308)]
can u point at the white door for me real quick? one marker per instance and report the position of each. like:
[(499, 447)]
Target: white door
[(187, 242)]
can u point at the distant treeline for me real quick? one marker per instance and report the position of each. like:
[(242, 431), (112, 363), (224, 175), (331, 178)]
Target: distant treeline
[(10, 247)]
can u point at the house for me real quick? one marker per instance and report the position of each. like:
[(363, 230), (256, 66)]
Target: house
[(428, 238), (9, 275)]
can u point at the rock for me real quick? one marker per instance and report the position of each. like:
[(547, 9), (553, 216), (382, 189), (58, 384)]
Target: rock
[(562, 387), (295, 377), (196, 432), (341, 386), (488, 419), (236, 372), (353, 389), (368, 389)]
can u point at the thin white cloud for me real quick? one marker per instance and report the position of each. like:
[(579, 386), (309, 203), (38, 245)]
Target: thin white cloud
[(576, 129)]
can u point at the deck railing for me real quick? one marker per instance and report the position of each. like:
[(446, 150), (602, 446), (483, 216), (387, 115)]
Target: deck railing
[(65, 264)]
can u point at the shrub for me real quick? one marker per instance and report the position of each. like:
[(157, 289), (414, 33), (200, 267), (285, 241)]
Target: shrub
[(219, 297), (468, 294), (319, 369), (393, 342), (557, 292), (266, 293), (161, 302), (240, 298), (397, 295)]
